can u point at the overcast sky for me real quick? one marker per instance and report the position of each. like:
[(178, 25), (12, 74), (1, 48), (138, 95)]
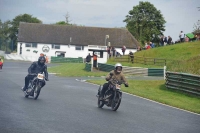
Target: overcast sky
[(179, 14)]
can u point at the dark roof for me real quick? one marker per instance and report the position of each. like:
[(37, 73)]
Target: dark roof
[(81, 35)]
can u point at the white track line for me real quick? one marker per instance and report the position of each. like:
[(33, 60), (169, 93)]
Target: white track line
[(151, 100)]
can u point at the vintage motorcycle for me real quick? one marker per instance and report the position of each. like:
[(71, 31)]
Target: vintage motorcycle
[(112, 97), (35, 86)]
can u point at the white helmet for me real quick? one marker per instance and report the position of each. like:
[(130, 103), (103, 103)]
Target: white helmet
[(118, 65)]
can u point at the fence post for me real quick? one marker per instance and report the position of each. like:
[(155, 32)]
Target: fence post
[(164, 72)]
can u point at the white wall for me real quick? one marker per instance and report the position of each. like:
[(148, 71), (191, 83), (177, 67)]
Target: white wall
[(69, 49)]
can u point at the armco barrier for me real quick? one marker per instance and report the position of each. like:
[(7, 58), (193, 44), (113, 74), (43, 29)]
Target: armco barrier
[(156, 72), (184, 82), (66, 60), (133, 70), (87, 67), (105, 67), (20, 57)]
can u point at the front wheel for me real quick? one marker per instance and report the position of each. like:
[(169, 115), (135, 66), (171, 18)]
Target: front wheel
[(37, 92), (116, 101), (100, 103)]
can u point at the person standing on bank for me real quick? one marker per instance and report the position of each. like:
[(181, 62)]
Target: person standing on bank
[(94, 60), (182, 36), (88, 58), (131, 55)]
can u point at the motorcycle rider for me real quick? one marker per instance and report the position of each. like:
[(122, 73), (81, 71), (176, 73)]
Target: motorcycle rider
[(35, 68), (114, 74)]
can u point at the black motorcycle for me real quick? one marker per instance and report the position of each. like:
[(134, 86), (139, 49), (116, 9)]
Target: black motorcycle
[(35, 86), (112, 97)]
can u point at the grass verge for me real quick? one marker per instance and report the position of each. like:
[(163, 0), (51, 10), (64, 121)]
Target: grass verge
[(156, 90), (73, 70)]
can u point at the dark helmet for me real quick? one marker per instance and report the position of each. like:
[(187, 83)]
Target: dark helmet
[(41, 60)]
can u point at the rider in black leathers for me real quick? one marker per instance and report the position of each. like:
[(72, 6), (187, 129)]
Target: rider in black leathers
[(35, 68)]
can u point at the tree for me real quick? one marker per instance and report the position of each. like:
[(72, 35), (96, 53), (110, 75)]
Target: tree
[(62, 23), (15, 25), (197, 27), (66, 22), (145, 22), (4, 35)]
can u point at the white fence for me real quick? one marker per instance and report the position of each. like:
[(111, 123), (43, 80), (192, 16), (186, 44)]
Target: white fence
[(2, 53)]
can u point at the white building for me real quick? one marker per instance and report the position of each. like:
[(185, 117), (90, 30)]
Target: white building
[(71, 41)]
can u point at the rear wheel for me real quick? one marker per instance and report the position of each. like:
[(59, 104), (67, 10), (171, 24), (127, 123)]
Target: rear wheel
[(37, 92), (116, 101)]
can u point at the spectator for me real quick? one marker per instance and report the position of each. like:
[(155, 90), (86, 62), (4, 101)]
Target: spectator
[(148, 47), (162, 41), (139, 48), (47, 59), (165, 41), (123, 49), (152, 45), (196, 37), (118, 54), (88, 58), (131, 56), (169, 41), (1, 63), (182, 36), (113, 51), (108, 50), (187, 39), (94, 60)]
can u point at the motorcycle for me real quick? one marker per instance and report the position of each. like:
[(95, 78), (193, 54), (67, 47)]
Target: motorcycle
[(35, 86), (113, 95)]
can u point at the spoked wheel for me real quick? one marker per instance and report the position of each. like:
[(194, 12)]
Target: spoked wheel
[(116, 101), (26, 96), (37, 92), (100, 103)]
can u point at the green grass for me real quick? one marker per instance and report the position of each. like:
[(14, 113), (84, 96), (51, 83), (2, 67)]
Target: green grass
[(73, 70), (156, 90), (182, 57)]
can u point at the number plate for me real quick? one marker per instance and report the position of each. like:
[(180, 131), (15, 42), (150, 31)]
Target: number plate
[(40, 76), (118, 86)]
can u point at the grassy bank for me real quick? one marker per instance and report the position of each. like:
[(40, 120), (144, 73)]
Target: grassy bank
[(182, 57), (156, 90)]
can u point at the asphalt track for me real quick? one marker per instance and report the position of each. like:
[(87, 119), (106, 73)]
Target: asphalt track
[(66, 105)]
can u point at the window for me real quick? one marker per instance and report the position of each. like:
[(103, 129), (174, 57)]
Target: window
[(28, 45), (54, 46), (79, 47), (33, 45)]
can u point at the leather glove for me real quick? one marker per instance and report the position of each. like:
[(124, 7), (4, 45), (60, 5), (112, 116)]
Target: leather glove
[(126, 84)]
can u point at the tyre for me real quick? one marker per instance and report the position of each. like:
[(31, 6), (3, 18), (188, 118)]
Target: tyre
[(116, 101), (26, 96), (37, 92), (100, 103)]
